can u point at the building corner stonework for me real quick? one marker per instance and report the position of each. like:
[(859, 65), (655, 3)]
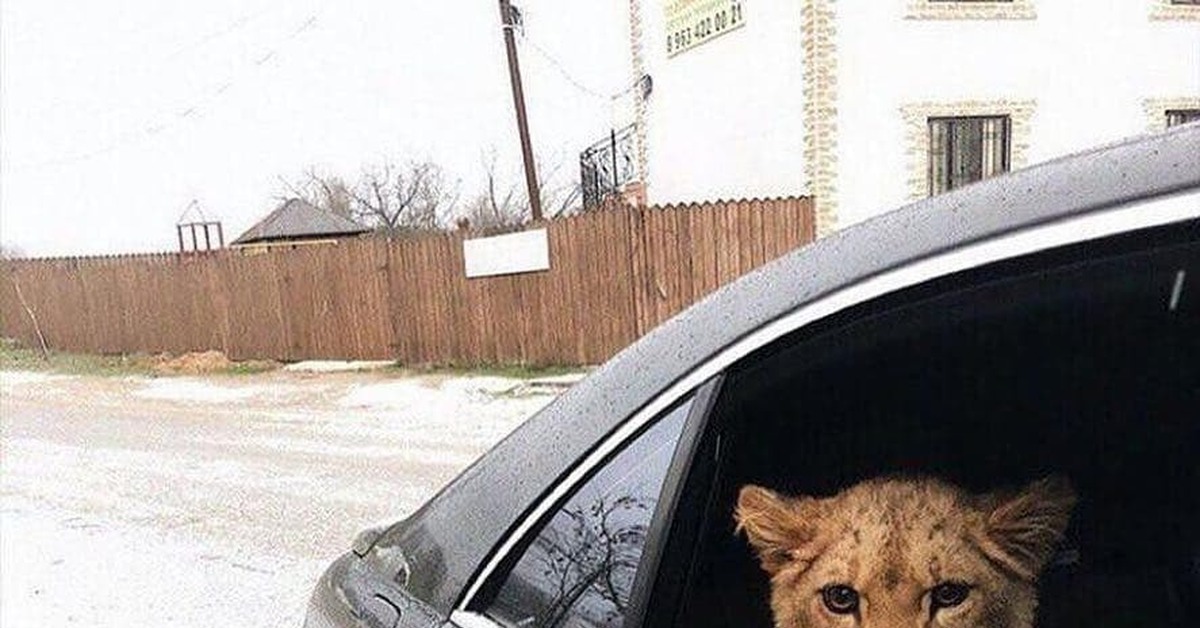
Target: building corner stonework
[(819, 44), (1167, 11), (637, 55)]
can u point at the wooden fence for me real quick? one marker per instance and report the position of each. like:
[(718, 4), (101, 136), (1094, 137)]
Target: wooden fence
[(614, 275)]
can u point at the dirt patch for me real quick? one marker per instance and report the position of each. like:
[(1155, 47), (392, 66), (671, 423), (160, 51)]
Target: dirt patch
[(208, 363), (197, 363)]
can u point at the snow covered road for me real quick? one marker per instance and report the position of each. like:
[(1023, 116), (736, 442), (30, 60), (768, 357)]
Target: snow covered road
[(217, 501)]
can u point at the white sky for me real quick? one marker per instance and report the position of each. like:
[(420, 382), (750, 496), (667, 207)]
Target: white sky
[(114, 114)]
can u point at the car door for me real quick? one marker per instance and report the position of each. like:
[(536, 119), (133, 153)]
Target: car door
[(1078, 362), (932, 368)]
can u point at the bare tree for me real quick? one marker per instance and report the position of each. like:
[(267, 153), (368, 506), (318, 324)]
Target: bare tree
[(328, 192), (391, 198), (503, 203), (397, 199), (334, 195), (589, 564), (418, 196), (499, 206), (9, 251), (562, 193)]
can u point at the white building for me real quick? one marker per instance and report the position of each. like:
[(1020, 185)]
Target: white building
[(868, 104)]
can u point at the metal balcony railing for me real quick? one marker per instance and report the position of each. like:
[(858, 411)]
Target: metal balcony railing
[(607, 165)]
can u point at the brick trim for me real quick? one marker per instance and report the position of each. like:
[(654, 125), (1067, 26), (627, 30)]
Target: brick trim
[(1163, 10), (638, 58), (819, 33), (1157, 108), (928, 10), (916, 116)]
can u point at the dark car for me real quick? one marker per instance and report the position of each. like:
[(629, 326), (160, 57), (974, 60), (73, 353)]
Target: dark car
[(1045, 322)]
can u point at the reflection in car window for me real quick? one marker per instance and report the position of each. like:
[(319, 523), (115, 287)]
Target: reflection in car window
[(580, 569)]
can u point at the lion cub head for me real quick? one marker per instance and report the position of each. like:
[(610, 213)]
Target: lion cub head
[(892, 553)]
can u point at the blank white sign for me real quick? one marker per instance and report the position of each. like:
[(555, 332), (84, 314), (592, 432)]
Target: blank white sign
[(508, 254)]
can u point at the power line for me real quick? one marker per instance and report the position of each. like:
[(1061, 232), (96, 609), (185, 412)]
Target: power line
[(193, 109), (160, 61), (562, 70), (231, 27), (570, 78)]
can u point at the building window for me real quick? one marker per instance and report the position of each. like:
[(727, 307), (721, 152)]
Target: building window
[(928, 145), (965, 150), (1182, 116), (1171, 111), (1167, 10)]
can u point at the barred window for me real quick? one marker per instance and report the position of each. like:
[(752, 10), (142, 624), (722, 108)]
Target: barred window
[(1183, 116), (967, 149)]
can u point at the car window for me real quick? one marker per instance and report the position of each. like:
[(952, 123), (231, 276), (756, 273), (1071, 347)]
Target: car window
[(580, 568), (1030, 430)]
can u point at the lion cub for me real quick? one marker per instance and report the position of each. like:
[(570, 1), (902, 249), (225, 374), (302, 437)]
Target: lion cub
[(892, 553)]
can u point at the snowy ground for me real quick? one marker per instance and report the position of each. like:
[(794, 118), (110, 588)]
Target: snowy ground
[(217, 501)]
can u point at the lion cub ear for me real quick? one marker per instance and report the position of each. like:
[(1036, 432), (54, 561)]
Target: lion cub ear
[(781, 529), (1022, 530)]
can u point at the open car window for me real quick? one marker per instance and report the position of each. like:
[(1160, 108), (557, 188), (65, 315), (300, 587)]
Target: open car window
[(1070, 378)]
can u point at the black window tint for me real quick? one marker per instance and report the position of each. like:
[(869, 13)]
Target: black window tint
[(1081, 364), (580, 569)]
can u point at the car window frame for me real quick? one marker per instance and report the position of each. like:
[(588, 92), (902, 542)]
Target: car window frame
[(1128, 216), (683, 553), (699, 404), (695, 431)]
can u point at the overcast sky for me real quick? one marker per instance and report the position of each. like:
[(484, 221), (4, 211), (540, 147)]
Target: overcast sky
[(114, 114)]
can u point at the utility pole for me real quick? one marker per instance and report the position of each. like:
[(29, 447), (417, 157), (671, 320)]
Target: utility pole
[(507, 13)]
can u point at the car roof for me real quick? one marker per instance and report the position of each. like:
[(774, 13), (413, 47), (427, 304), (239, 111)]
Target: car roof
[(447, 540)]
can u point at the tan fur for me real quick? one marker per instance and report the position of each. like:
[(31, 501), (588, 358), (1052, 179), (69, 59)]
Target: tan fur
[(893, 540)]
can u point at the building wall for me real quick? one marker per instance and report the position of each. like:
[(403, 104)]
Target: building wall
[(1073, 74), (725, 119)]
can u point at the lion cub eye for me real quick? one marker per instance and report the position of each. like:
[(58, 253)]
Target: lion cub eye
[(949, 594), (840, 599)]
